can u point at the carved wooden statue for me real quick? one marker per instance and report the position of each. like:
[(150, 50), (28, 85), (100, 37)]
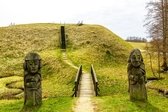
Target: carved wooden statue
[(136, 77), (32, 80)]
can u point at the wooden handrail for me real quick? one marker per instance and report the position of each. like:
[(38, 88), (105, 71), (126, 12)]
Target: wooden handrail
[(95, 81), (77, 79)]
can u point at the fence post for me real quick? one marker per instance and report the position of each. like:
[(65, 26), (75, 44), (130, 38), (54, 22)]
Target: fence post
[(63, 39)]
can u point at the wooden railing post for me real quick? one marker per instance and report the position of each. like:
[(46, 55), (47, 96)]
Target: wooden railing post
[(95, 81), (77, 80)]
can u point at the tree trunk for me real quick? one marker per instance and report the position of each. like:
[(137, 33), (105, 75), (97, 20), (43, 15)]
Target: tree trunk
[(158, 61), (164, 22)]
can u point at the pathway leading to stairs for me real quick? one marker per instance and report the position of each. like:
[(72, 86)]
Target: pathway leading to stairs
[(65, 59), (86, 92)]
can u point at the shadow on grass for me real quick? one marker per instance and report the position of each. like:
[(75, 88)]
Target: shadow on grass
[(147, 107), (30, 109)]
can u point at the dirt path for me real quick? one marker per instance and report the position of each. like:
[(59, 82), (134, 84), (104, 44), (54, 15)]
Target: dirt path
[(65, 59), (84, 102)]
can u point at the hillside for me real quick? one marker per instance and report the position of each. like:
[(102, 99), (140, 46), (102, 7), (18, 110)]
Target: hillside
[(98, 45), (86, 44), (57, 76)]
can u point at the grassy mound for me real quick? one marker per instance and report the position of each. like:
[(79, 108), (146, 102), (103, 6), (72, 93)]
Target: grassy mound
[(87, 44), (94, 44)]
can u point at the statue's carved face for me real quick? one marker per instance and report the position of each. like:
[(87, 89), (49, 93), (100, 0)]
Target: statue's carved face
[(136, 59), (33, 66)]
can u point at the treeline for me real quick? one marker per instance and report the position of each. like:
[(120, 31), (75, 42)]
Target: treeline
[(136, 39)]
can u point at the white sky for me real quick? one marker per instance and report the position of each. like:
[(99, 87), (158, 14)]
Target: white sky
[(123, 17)]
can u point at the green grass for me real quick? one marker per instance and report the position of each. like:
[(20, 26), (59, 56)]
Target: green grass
[(121, 103), (57, 104), (113, 86), (10, 105), (58, 76), (139, 45)]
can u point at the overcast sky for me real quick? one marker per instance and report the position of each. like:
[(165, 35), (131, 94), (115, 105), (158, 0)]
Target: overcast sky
[(123, 17)]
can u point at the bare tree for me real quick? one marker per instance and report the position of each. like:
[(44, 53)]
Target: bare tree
[(156, 23)]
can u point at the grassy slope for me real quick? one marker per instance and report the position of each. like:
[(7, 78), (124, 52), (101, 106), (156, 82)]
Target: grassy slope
[(94, 44), (106, 51), (58, 77), (139, 45), (87, 44)]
